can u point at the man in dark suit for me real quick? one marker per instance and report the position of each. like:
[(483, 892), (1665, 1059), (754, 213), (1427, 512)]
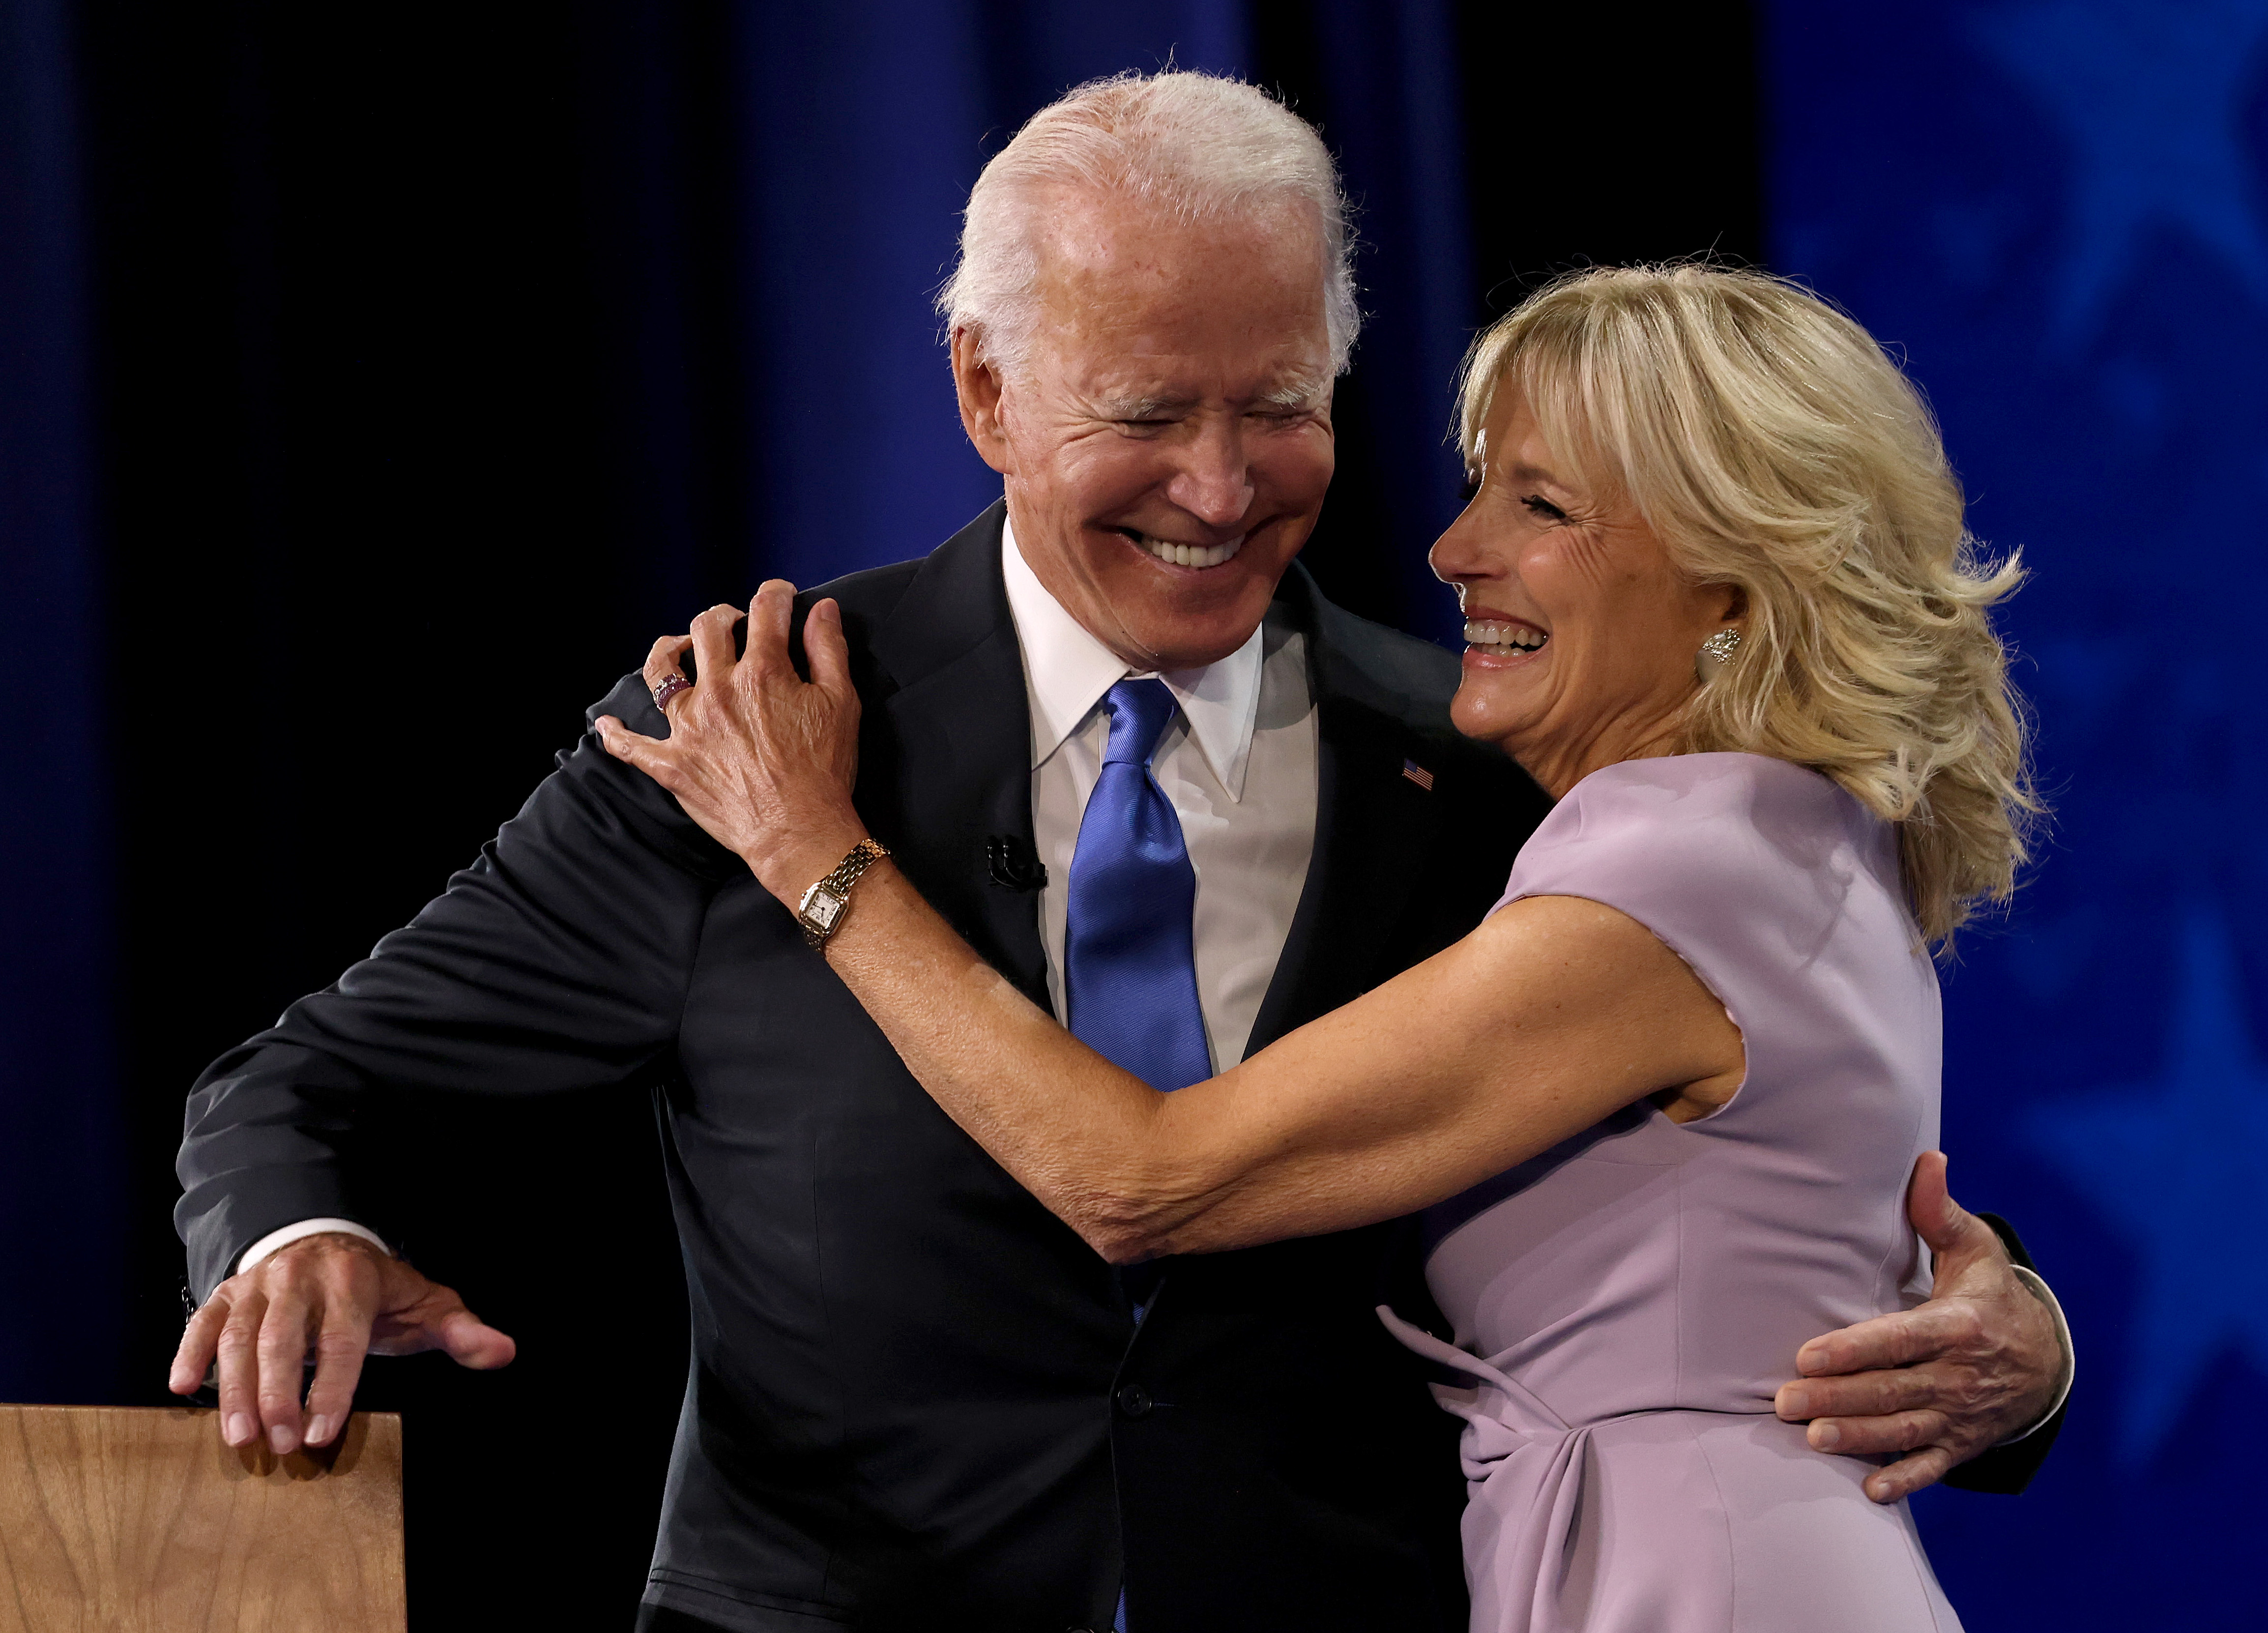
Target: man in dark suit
[(917, 1400)]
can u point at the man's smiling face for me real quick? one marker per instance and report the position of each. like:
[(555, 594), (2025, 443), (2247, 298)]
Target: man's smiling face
[(1168, 440)]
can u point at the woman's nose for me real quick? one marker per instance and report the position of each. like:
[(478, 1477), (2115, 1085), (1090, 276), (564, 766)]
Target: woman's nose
[(1457, 555)]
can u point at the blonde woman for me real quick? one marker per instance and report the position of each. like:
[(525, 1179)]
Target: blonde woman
[(1663, 1104)]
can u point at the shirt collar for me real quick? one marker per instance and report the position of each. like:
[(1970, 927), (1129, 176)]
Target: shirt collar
[(1067, 671)]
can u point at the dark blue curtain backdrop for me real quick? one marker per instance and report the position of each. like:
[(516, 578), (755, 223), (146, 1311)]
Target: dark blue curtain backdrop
[(2059, 209), (59, 1111), (375, 386), (852, 144)]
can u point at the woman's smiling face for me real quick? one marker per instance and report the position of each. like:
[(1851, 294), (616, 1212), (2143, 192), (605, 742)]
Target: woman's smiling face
[(1580, 634)]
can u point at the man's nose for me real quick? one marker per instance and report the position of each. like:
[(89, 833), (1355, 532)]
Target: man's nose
[(1213, 479)]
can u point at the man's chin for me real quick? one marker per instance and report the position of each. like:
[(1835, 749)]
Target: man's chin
[(1200, 624)]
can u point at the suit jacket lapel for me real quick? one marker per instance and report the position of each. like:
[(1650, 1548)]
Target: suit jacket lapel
[(945, 751), (1373, 830), (944, 768)]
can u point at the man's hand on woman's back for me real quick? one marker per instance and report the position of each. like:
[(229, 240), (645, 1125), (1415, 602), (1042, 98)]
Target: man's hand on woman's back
[(1981, 1362), (338, 1298)]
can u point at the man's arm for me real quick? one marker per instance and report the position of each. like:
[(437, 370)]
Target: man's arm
[(1978, 1372), (557, 961)]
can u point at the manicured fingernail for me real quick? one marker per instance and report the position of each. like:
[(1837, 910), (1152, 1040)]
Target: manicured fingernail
[(240, 1429), (279, 1438), (319, 1429), (1795, 1403), (1827, 1436)]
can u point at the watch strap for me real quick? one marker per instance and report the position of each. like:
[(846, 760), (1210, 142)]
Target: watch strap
[(817, 929)]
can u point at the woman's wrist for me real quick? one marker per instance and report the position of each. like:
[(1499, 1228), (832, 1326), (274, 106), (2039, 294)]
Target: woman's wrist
[(792, 863)]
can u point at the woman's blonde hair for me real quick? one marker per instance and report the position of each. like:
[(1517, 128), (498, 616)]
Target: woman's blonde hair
[(1772, 446)]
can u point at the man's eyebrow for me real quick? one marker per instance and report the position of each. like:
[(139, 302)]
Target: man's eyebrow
[(1297, 394), (1292, 395), (1137, 407)]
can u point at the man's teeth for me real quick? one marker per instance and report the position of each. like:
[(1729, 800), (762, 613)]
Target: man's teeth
[(1189, 555), (1504, 638)]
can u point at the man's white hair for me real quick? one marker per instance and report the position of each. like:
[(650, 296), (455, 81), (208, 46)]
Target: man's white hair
[(1202, 147)]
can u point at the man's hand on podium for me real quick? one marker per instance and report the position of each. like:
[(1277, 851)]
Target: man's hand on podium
[(338, 1298)]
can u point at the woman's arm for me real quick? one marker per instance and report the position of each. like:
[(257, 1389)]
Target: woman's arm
[(1554, 1013)]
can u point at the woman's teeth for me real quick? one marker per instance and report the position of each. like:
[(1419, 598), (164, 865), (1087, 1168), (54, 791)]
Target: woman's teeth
[(1188, 554), (1492, 636)]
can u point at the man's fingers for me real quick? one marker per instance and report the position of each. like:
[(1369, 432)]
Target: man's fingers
[(712, 646), (1899, 1339), (238, 1353), (1869, 1436), (1929, 1204), (200, 1340), (1863, 1394), (472, 1342), (1944, 1224), (771, 616), (418, 1315), (1908, 1475), (828, 652), (339, 1351), (283, 1356)]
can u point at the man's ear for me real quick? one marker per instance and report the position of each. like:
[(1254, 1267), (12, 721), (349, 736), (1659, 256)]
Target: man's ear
[(978, 384)]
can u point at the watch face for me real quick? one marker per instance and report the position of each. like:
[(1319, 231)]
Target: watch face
[(824, 907)]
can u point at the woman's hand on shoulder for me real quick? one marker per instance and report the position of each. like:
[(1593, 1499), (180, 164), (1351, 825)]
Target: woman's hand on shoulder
[(764, 760)]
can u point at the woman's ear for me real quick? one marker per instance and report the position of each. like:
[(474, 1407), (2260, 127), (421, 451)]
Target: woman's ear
[(1736, 603)]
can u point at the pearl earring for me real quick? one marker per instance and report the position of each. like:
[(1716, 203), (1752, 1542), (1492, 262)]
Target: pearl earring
[(1715, 653)]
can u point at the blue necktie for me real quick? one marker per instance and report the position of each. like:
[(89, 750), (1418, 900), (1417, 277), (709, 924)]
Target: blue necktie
[(1129, 972), (1129, 964)]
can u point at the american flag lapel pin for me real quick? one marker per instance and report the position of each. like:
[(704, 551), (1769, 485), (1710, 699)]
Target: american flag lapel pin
[(1419, 774)]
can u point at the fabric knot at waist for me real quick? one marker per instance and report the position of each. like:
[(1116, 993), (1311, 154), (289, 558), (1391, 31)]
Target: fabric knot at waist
[(1532, 1464)]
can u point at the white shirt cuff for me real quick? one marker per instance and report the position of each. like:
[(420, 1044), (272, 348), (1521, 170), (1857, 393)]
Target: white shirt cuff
[(290, 1233), (2040, 1290)]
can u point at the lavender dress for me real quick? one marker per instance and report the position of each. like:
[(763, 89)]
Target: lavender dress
[(1627, 1304)]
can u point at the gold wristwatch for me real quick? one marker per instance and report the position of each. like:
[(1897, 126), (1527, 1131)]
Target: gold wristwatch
[(822, 909)]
